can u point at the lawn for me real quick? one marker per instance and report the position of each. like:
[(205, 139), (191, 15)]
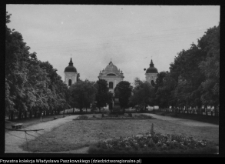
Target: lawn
[(81, 133), (30, 121), (201, 118)]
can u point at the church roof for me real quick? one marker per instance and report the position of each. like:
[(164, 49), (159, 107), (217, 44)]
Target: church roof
[(70, 67), (151, 69), (111, 70)]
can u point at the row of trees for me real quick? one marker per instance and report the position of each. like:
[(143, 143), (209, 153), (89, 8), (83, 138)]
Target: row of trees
[(83, 94), (31, 86), (193, 80)]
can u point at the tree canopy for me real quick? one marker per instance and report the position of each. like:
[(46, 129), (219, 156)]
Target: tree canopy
[(82, 94), (31, 86), (123, 92)]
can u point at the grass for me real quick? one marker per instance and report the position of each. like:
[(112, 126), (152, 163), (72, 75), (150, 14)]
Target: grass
[(107, 117), (201, 118), (81, 133), (31, 121)]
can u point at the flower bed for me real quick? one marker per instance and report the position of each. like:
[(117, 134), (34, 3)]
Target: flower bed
[(154, 144)]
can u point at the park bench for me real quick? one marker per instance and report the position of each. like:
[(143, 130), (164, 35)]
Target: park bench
[(17, 126)]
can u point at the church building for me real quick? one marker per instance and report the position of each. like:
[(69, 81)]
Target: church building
[(112, 75), (151, 73), (70, 73)]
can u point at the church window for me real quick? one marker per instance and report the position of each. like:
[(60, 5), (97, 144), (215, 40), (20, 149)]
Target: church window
[(152, 83), (111, 74), (70, 82), (110, 84)]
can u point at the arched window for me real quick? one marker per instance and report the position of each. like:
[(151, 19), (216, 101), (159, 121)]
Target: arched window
[(111, 85), (70, 82)]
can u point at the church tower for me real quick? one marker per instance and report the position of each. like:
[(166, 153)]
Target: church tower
[(151, 73), (70, 73)]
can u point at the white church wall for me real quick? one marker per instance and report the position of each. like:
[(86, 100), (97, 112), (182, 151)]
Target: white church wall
[(72, 76)]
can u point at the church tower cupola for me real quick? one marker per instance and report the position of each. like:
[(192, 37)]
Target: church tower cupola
[(151, 73), (70, 73)]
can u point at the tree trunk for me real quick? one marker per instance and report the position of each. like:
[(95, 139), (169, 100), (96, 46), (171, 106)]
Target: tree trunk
[(12, 116), (211, 111), (9, 116), (19, 115), (217, 110), (206, 112), (30, 114), (25, 115)]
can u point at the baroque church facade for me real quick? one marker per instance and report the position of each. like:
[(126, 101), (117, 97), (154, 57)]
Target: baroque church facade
[(112, 75)]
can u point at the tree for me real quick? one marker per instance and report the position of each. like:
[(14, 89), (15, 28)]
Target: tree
[(196, 72), (123, 92), (143, 94), (16, 56), (102, 95), (163, 89), (30, 85), (82, 94), (210, 44)]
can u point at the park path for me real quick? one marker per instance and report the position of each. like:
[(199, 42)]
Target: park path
[(13, 139), (182, 121)]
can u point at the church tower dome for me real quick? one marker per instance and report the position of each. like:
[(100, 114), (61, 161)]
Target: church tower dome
[(152, 69), (70, 67), (70, 73), (151, 73)]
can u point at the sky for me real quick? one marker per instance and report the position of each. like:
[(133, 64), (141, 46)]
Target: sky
[(128, 35)]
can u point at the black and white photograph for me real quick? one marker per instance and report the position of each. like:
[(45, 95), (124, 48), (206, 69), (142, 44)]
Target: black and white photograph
[(112, 79)]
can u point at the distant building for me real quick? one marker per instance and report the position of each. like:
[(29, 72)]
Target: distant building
[(151, 73), (112, 75), (71, 74)]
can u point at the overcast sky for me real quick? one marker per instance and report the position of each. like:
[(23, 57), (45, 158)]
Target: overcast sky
[(129, 35)]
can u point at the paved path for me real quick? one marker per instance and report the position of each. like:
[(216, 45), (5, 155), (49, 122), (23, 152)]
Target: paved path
[(15, 138), (182, 121)]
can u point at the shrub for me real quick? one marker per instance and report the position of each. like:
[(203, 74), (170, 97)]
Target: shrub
[(82, 117), (156, 143)]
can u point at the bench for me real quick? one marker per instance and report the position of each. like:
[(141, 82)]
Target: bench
[(17, 126)]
